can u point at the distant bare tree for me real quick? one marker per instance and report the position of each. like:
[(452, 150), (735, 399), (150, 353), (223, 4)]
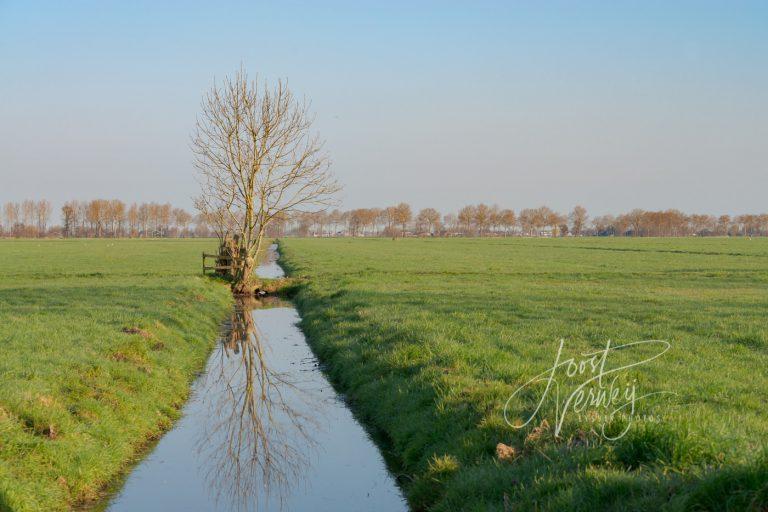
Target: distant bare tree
[(450, 223), (555, 221), (621, 225), (11, 212), (116, 217), (132, 218), (507, 219), (164, 213), (28, 215), (702, 224), (355, 221), (494, 218), (723, 224), (634, 220), (402, 216), (527, 220), (578, 217), (81, 208), (360, 219), (95, 215), (376, 217), (335, 218), (182, 220), (466, 219), (202, 229), (390, 219), (603, 225), (143, 216), (429, 220), (481, 218), (68, 212), (43, 215)]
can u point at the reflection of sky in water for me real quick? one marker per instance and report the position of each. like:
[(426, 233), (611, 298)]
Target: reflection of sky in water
[(263, 430), (270, 268)]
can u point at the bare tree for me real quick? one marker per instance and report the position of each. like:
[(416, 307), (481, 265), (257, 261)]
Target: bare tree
[(634, 220), (28, 215), (466, 219), (164, 218), (43, 213), (119, 217), (603, 225), (95, 215), (723, 224), (258, 160), (182, 219), (556, 222), (11, 212), (335, 219), (578, 219), (376, 217), (702, 224), (450, 223), (402, 216), (527, 220), (507, 219), (621, 224), (202, 229), (81, 217), (132, 218), (355, 221), (390, 219), (68, 212), (429, 220), (494, 218), (143, 219), (481, 218)]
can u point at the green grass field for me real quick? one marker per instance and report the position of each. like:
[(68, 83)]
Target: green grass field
[(79, 398), (429, 338)]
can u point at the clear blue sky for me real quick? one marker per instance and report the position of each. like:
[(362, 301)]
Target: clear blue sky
[(614, 105)]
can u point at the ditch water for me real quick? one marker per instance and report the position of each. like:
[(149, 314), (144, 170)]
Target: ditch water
[(263, 430)]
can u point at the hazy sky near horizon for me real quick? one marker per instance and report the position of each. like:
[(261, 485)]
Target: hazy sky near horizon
[(613, 105)]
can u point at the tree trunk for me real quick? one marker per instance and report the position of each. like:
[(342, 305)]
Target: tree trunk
[(243, 285)]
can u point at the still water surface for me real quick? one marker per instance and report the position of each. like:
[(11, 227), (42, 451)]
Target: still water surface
[(263, 430)]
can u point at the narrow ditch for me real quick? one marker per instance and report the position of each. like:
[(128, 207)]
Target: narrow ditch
[(263, 430)]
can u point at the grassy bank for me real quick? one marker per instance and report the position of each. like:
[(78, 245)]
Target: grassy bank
[(430, 338), (79, 397)]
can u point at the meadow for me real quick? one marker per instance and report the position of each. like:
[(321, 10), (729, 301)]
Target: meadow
[(429, 339), (99, 342)]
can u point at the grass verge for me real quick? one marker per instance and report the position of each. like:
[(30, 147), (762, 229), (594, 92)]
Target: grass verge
[(99, 342)]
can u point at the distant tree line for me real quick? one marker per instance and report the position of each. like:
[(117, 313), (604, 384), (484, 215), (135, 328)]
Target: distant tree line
[(485, 220), (100, 218), (104, 218)]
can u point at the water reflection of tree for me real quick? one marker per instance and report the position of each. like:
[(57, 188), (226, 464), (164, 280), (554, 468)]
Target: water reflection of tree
[(258, 438)]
